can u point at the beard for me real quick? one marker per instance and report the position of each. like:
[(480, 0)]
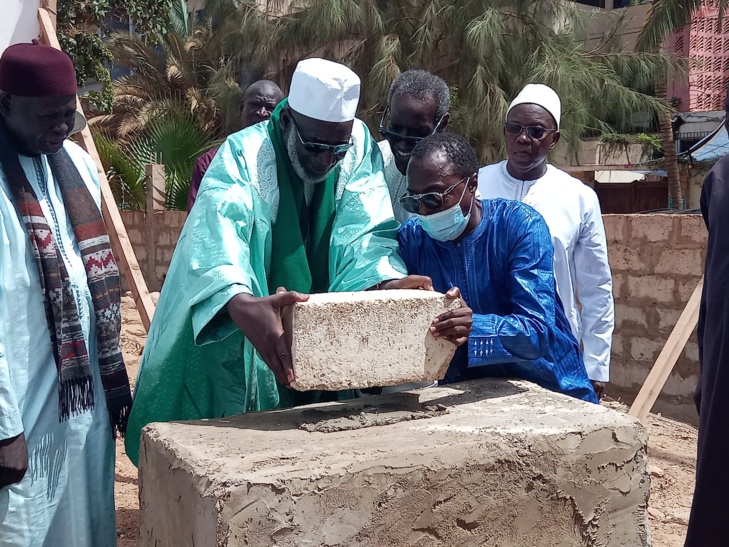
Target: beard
[(291, 140)]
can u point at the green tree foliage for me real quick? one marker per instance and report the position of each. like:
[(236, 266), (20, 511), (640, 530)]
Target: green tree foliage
[(667, 16), (173, 77), (174, 140), (485, 49), (82, 26)]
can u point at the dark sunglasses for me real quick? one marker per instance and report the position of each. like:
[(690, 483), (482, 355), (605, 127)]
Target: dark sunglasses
[(337, 150), (396, 138), (431, 200), (532, 131)]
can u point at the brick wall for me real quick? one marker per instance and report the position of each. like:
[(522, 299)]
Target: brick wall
[(154, 242), (657, 262)]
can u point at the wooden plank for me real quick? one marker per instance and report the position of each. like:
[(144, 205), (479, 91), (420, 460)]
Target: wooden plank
[(669, 355), (120, 244), (51, 6)]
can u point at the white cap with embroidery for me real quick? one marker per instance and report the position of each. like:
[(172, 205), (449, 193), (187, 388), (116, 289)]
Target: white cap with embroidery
[(541, 95), (324, 90)]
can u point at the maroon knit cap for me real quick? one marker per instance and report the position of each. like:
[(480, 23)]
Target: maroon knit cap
[(36, 70)]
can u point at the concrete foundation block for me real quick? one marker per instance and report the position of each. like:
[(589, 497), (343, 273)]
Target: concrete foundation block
[(485, 463), (364, 339)]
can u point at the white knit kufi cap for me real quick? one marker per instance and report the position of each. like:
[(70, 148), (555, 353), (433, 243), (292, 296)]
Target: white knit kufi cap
[(541, 95), (324, 90)]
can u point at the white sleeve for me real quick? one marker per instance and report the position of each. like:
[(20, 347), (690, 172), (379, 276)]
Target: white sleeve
[(11, 423), (595, 292)]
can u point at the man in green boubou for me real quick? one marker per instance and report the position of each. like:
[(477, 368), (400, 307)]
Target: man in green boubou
[(295, 206)]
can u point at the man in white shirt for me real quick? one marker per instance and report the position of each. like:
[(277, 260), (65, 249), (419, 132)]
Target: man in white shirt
[(64, 391), (572, 212), (417, 107)]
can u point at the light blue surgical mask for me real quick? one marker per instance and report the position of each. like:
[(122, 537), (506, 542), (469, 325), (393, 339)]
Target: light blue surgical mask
[(449, 224)]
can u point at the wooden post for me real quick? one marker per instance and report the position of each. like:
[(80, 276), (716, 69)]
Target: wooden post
[(120, 244), (669, 355), (156, 194)]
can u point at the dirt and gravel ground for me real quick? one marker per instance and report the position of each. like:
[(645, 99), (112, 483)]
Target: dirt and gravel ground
[(672, 452)]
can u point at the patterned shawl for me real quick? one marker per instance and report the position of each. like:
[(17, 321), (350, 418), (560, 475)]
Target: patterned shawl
[(75, 378)]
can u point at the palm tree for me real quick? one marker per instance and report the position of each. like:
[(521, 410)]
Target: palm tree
[(670, 158), (665, 17), (181, 72), (485, 49), (175, 140)]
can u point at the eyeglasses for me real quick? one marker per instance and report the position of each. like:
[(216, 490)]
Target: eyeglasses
[(337, 150), (533, 131), (396, 138), (431, 201)]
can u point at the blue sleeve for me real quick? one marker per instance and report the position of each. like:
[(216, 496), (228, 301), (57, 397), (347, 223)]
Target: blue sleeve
[(404, 242), (524, 334)]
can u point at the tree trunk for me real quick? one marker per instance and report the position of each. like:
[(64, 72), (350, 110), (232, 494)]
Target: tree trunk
[(675, 196)]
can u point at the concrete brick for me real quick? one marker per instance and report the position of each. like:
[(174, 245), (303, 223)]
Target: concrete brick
[(135, 237), (686, 289), (651, 288), (365, 339), (693, 229), (691, 351), (645, 349), (498, 463), (667, 319), (618, 281), (623, 258), (617, 345), (614, 228), (164, 239), (140, 251), (175, 219), (653, 228), (629, 314), (132, 219), (161, 272), (680, 262)]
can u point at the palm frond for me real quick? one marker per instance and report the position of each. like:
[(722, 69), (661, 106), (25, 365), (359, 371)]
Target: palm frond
[(667, 16)]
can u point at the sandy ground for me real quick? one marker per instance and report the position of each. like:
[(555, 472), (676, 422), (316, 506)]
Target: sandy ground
[(672, 452)]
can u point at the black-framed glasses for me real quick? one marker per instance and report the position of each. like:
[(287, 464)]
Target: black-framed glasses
[(431, 200), (396, 138), (533, 131), (337, 150)]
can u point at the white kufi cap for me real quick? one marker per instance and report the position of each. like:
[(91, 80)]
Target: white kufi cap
[(324, 90), (541, 95)]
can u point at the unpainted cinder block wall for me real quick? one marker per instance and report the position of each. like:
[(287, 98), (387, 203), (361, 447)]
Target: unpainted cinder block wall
[(153, 242), (657, 262)]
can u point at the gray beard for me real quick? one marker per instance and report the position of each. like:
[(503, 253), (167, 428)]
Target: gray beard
[(296, 163)]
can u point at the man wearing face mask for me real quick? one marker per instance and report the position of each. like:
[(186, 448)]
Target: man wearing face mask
[(259, 101), (497, 255), (295, 206), (572, 212), (417, 106)]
